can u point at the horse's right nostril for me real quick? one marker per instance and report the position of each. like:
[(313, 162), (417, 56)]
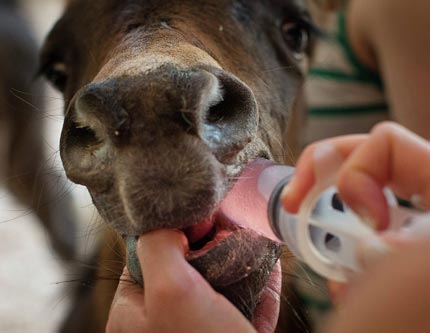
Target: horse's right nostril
[(98, 117), (94, 124), (83, 136)]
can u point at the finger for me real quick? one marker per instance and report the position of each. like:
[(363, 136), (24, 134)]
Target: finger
[(177, 298), (394, 157), (127, 311), (166, 272), (393, 296), (371, 253), (304, 178), (127, 287), (337, 291)]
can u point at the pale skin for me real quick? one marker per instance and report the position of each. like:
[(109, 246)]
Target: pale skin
[(392, 296), (392, 38)]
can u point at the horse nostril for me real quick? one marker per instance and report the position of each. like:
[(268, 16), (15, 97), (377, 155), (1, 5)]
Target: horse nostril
[(219, 112), (98, 118), (232, 122), (94, 125), (83, 136), (232, 104)]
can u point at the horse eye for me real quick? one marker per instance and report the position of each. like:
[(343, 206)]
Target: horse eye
[(297, 38), (57, 75)]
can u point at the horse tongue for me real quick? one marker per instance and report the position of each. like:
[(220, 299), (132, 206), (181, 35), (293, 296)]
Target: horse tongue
[(199, 231), (247, 203)]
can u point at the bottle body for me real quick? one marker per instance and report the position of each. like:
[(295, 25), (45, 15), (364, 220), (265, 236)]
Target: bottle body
[(284, 225), (325, 234)]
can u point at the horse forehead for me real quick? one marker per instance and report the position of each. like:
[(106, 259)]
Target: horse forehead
[(239, 6)]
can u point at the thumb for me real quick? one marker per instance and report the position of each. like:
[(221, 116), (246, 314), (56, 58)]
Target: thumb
[(161, 255), (160, 248)]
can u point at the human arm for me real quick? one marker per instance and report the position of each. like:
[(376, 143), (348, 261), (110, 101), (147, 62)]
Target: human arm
[(393, 38)]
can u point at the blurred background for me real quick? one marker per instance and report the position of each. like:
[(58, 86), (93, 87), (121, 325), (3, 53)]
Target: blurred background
[(36, 281)]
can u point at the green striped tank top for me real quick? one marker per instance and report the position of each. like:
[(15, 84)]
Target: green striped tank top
[(343, 95)]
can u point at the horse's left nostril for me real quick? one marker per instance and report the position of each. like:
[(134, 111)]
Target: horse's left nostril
[(219, 112), (231, 122)]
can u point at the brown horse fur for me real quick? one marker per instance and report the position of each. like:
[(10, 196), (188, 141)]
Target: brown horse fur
[(168, 101), (24, 166)]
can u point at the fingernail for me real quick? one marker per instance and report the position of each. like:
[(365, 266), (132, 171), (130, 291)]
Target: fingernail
[(323, 150), (372, 251), (417, 202), (365, 217), (369, 221), (287, 196), (287, 190), (327, 161)]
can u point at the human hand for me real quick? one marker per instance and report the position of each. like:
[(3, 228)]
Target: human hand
[(390, 156), (392, 296), (175, 297)]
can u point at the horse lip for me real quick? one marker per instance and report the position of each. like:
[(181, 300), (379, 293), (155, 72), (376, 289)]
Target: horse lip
[(216, 229), (233, 258)]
